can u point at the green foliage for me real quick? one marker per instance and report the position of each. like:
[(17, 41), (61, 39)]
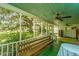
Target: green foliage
[(13, 37), (26, 35), (9, 37)]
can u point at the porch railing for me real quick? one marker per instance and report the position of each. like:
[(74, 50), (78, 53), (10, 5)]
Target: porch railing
[(12, 49)]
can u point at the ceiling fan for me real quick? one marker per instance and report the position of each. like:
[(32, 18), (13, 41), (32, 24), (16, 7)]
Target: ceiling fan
[(59, 17)]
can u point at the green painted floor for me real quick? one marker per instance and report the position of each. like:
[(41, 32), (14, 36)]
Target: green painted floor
[(53, 48), (50, 50)]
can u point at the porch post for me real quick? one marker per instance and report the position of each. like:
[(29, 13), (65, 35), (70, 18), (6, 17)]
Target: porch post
[(41, 28), (20, 28), (34, 29)]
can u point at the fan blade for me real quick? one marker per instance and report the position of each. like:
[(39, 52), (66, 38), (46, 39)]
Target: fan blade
[(66, 17), (60, 19)]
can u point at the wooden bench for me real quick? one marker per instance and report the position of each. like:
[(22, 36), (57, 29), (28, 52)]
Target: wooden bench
[(33, 47)]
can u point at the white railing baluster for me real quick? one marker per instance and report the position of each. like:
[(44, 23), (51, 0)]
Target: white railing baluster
[(12, 49), (7, 49), (2, 53), (16, 48)]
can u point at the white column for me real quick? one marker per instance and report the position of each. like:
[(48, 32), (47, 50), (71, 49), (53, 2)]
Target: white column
[(46, 29), (34, 34), (41, 28), (52, 29), (20, 27)]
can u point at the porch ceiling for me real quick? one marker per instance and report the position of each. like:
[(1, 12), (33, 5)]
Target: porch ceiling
[(47, 11)]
